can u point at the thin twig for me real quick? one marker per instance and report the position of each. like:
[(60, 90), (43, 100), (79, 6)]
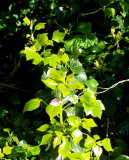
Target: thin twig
[(94, 12), (113, 86), (10, 86)]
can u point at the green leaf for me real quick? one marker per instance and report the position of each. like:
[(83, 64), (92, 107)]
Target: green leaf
[(46, 139), (89, 40), (26, 20), (88, 124), (43, 128), (78, 156), (70, 111), (77, 136), (69, 78), (65, 147), (57, 75), (81, 77), (84, 27), (76, 66), (56, 141), (76, 85), (7, 150), (50, 83), (92, 84), (65, 58), (40, 26), (89, 142), (31, 54), (53, 60), (1, 155), (74, 121), (107, 144), (97, 151), (53, 111), (42, 38), (64, 89), (32, 104), (122, 157), (88, 99), (95, 111), (109, 12), (98, 47), (73, 99), (34, 150), (58, 36)]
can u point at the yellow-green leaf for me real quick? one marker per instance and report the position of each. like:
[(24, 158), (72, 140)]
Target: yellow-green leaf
[(26, 20), (107, 144), (76, 85), (50, 83), (32, 104), (64, 90), (77, 135), (7, 150), (43, 128), (46, 139), (40, 26)]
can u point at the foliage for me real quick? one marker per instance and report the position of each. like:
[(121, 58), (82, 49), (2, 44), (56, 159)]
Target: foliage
[(72, 51)]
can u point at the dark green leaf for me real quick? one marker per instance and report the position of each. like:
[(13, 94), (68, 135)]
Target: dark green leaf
[(84, 27)]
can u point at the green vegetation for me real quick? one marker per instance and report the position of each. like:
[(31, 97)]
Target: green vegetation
[(64, 80)]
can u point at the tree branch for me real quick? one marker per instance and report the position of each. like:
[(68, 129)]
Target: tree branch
[(94, 12), (113, 86)]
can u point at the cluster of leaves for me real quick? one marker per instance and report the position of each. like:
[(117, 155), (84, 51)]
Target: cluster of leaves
[(72, 49)]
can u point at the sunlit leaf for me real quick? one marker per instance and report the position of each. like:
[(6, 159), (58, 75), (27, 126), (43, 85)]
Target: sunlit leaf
[(50, 83), (76, 85), (88, 124), (65, 147), (42, 38), (64, 89), (40, 26), (43, 128), (107, 144), (7, 150), (26, 20), (32, 104), (57, 75), (46, 139), (53, 111), (89, 142), (97, 151), (74, 121), (77, 135), (56, 141), (58, 36)]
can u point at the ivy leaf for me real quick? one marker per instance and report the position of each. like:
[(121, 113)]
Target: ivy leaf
[(70, 111), (26, 20), (40, 26), (95, 111), (58, 36), (53, 60), (42, 38), (88, 99), (76, 66), (50, 83), (65, 147), (32, 55), (43, 128), (84, 27), (78, 156), (74, 121), (73, 99), (77, 135), (88, 124), (92, 84), (56, 75), (56, 141), (53, 111), (107, 144), (89, 40), (65, 58), (81, 77), (34, 150), (109, 12), (32, 104), (76, 85), (64, 90), (89, 142), (69, 78), (97, 151), (7, 150), (46, 139)]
